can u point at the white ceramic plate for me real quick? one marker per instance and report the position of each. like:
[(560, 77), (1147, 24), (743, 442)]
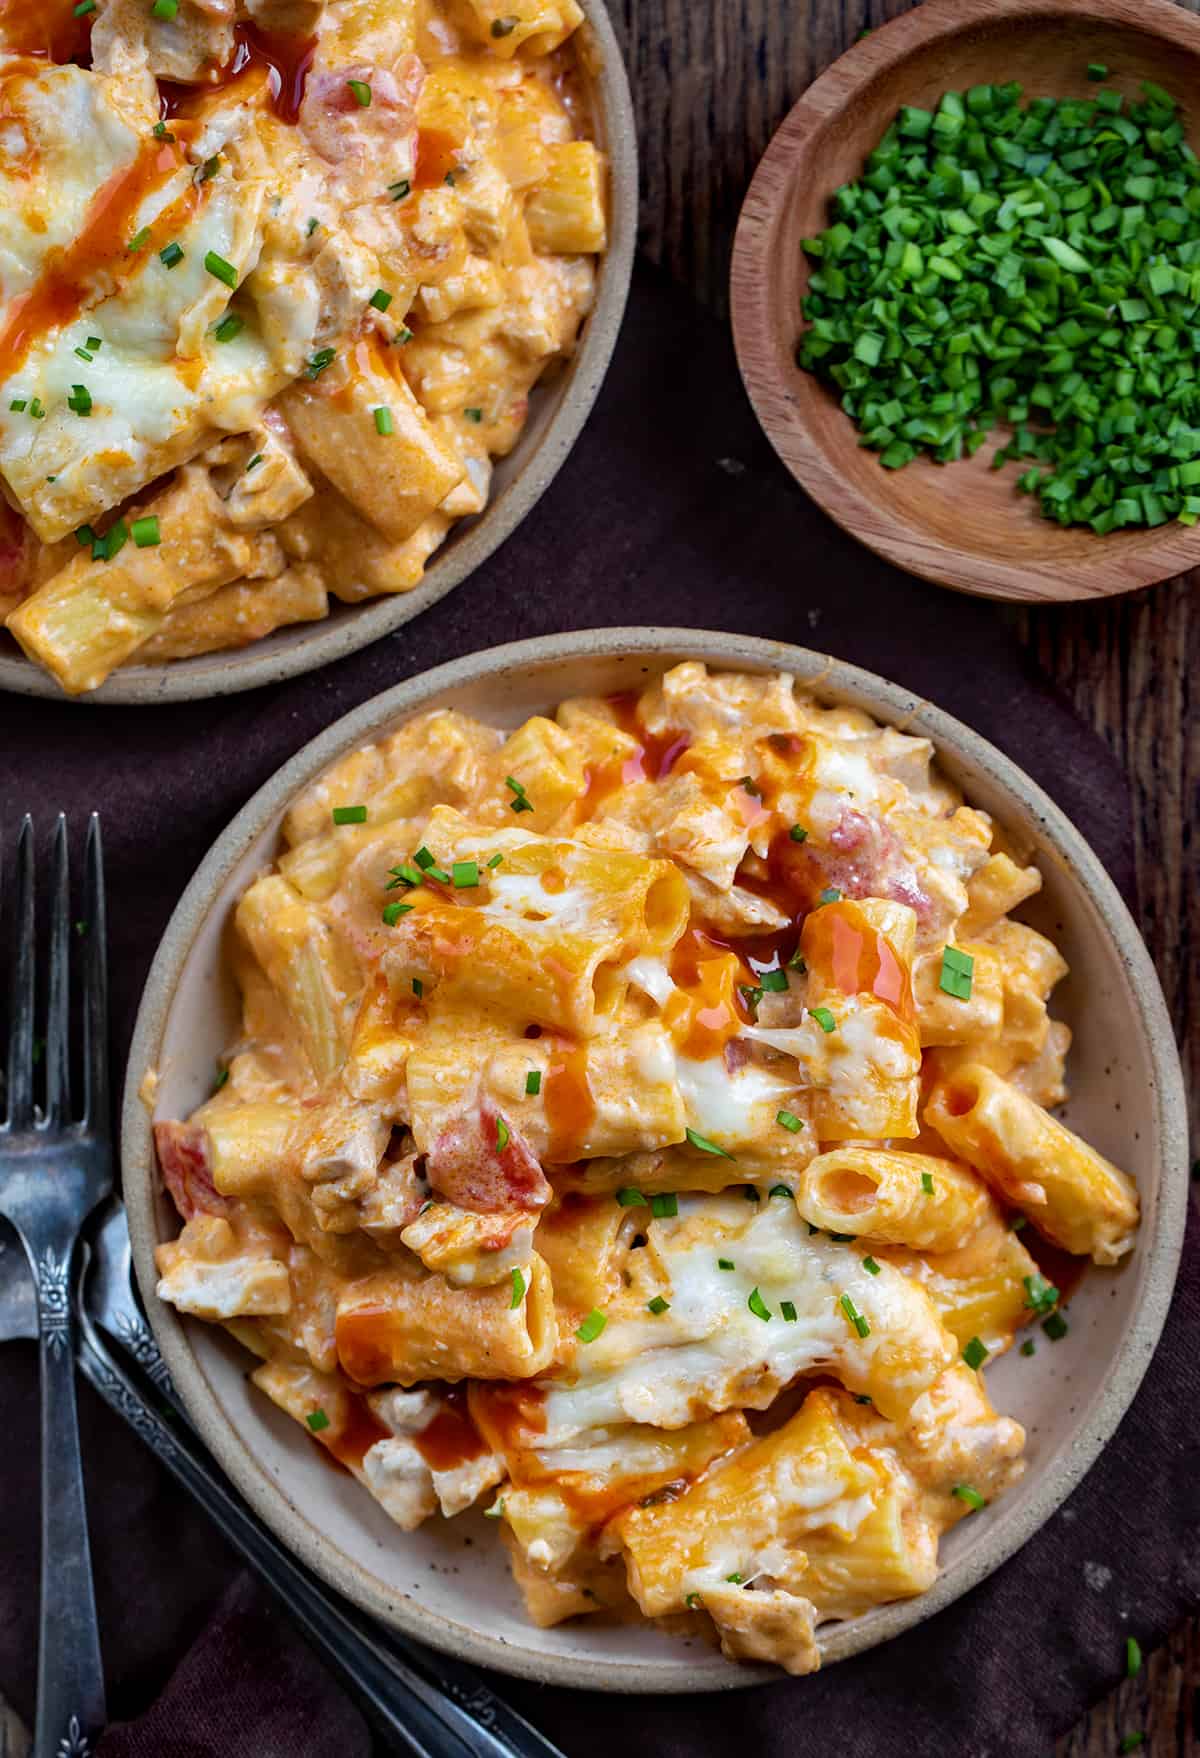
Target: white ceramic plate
[(558, 409), (1128, 1100)]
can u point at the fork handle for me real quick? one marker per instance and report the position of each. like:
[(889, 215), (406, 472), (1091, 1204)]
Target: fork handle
[(70, 1689)]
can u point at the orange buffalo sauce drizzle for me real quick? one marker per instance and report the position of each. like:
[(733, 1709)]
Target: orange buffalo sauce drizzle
[(569, 1102), (46, 28), (364, 1343), (437, 156), (705, 1010), (850, 953), (286, 59), (451, 1439), (357, 1435), (654, 758), (74, 275)]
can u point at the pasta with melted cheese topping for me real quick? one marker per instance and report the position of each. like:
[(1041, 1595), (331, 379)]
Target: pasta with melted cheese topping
[(277, 278), (626, 1129)]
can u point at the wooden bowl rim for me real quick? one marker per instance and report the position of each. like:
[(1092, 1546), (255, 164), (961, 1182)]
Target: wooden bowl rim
[(1146, 557)]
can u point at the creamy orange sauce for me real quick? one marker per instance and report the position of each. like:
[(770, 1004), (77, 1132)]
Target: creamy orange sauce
[(451, 1439), (354, 1440), (47, 28), (569, 1102), (705, 1010)]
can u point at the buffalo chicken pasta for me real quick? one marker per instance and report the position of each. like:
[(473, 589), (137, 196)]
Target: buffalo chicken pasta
[(639, 1127), (276, 280)]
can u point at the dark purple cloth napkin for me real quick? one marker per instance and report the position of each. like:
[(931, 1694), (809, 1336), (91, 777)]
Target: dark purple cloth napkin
[(671, 510)]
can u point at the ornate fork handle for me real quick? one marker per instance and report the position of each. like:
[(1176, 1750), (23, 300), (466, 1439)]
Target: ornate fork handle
[(442, 1717), (70, 1696)]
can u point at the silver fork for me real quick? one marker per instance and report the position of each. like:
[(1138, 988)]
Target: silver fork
[(54, 1169)]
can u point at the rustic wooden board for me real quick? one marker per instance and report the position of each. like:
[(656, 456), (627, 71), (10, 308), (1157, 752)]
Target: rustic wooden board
[(712, 80)]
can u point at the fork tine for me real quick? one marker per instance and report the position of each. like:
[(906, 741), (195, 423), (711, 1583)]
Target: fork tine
[(95, 983), (58, 1055), (20, 1019)]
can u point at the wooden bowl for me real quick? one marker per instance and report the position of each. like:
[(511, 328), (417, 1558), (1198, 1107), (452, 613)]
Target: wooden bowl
[(963, 524)]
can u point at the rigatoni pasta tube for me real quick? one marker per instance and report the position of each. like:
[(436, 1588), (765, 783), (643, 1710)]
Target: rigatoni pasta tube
[(917, 1200), (1071, 1193), (392, 1327)]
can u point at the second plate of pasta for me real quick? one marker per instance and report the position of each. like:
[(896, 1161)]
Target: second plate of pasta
[(621, 1092)]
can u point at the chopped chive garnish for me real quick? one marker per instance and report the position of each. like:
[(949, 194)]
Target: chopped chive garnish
[(321, 359), (404, 874), (725, 1263), (145, 532), (862, 1398), (533, 1082), (751, 996), (403, 335), (773, 982), (758, 1305), (80, 400), (592, 1325), (1040, 1296), (1028, 1347), (736, 1578), (220, 269), (209, 169), (1097, 71), (313, 223), (166, 9), (975, 1353), (958, 969), (707, 1147), (349, 814), (231, 325), (520, 802), (317, 1420), (788, 1120), (798, 833), (361, 90), (824, 1018), (37, 409), (1133, 1657), (83, 8), (783, 1190), (788, 1309), (691, 1600), (495, 860), (831, 894), (254, 463), (1130, 1743), (170, 254), (399, 190), (856, 1318), (1018, 1223), (927, 1183), (112, 543), (1055, 1327), (658, 1304), (796, 962), (418, 988), (160, 131), (475, 415), (84, 536), (972, 1497), (94, 343), (222, 1077), (393, 911), (449, 178), (83, 354), (504, 27), (870, 1266), (140, 240), (496, 1511), (19, 405), (465, 874), (664, 1204), (629, 1198), (380, 299), (518, 1289), (383, 421), (843, 1238)]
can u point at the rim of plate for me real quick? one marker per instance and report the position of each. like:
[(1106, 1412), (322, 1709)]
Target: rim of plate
[(305, 646), (651, 649)]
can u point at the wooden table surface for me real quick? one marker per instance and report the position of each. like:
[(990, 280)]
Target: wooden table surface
[(712, 80)]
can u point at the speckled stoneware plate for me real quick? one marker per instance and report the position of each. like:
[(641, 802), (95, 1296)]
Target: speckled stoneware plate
[(448, 1583), (558, 409)]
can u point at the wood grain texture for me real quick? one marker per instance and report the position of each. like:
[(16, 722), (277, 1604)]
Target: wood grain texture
[(966, 525), (712, 80)]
